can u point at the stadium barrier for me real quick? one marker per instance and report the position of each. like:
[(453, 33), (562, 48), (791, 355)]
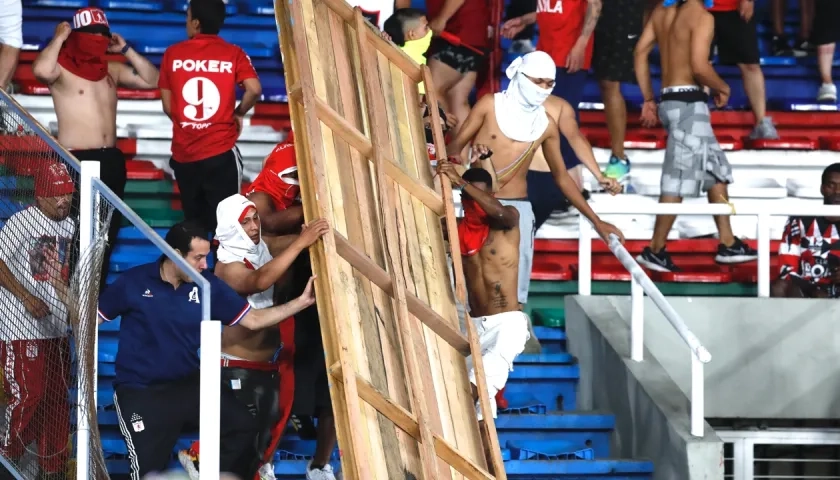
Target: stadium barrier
[(641, 284), (68, 272)]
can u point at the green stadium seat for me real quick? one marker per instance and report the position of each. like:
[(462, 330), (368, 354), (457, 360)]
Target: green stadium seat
[(549, 317), (157, 218)]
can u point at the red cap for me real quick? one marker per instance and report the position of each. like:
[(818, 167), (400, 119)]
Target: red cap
[(53, 180), (89, 16)]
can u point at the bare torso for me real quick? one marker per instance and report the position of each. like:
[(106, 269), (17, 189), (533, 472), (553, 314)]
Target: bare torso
[(258, 346), (86, 111), (492, 274), (506, 152), (553, 107), (673, 27)]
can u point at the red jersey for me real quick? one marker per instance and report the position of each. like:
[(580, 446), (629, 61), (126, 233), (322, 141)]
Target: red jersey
[(809, 249), (202, 73), (275, 180), (560, 23), (725, 5), (469, 23)]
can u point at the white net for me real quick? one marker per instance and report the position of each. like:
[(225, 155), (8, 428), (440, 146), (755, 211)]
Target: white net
[(48, 296)]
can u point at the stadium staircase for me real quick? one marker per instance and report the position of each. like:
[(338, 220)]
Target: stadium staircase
[(542, 434)]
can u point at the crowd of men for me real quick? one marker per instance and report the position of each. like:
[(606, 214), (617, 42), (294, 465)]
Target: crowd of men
[(262, 283)]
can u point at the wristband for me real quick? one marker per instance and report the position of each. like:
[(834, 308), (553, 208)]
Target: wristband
[(125, 49)]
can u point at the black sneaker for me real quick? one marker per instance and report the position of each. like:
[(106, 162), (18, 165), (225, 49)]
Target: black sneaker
[(658, 262), (739, 252), (781, 46)]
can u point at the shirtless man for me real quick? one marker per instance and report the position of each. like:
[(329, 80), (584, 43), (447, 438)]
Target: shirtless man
[(83, 85), (489, 241), (512, 125), (694, 162), (542, 191), (252, 265)]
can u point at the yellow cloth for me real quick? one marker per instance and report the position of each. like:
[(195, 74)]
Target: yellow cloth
[(416, 49)]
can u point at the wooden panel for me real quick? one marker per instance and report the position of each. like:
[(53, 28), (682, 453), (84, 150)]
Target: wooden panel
[(400, 390)]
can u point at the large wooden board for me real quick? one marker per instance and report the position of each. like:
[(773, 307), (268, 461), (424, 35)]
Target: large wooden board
[(394, 349)]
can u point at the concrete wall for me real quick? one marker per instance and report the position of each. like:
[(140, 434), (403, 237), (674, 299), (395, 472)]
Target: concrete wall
[(771, 358), (652, 414)]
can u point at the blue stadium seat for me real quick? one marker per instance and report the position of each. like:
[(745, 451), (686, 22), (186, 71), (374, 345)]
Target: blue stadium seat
[(57, 3), (107, 349), (34, 43), (256, 7), (136, 5), (181, 6)]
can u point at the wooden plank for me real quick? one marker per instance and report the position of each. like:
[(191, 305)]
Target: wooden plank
[(490, 436), (385, 216), (430, 467), (417, 308)]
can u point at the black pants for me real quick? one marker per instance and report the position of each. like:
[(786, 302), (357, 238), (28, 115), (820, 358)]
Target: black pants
[(517, 8), (545, 196), (152, 419), (259, 392), (112, 172), (207, 182)]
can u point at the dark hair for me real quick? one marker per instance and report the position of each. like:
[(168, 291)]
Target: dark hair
[(478, 175), (395, 25), (95, 29), (181, 235), (210, 15), (833, 168)]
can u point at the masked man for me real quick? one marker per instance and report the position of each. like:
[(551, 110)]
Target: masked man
[(83, 85), (511, 126), (251, 358), (276, 189)]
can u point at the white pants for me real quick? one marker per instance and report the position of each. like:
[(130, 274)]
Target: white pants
[(11, 23), (502, 337)]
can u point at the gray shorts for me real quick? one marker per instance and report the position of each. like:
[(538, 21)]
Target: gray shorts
[(526, 244), (694, 161)]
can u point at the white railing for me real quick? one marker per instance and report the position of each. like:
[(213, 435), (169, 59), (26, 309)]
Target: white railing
[(641, 284)]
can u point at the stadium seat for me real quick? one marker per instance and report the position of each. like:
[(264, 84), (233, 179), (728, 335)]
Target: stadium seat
[(136, 5), (143, 170), (181, 6), (56, 3), (545, 268), (730, 144), (830, 143), (633, 140), (256, 7), (697, 274), (789, 143)]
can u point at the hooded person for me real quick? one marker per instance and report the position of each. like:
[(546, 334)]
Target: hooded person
[(276, 190)]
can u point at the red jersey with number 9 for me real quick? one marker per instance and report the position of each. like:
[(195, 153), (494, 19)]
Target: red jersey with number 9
[(561, 23), (202, 73)]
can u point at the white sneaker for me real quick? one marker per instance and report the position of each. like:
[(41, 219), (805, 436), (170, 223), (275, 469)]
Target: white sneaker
[(266, 472), (325, 473), (827, 93)]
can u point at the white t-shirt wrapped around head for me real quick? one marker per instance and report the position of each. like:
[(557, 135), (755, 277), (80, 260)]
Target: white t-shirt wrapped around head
[(27, 241)]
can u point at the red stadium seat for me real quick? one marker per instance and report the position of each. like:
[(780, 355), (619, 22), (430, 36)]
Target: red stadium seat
[(830, 143), (695, 276), (730, 144), (142, 170), (633, 140), (546, 268), (789, 143), (610, 273)]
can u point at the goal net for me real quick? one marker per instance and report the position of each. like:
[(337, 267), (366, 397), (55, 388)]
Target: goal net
[(48, 295)]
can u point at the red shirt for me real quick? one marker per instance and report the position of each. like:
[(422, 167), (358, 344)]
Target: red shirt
[(561, 23), (273, 179), (725, 5), (469, 23), (202, 74)]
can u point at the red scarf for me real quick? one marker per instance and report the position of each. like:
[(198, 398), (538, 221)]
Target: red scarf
[(473, 229), (83, 55)]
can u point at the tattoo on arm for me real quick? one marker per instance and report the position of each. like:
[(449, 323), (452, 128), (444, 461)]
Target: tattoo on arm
[(593, 11), (499, 298)]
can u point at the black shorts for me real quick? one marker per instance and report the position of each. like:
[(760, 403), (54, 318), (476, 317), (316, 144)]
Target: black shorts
[(205, 183), (259, 391), (618, 30), (459, 58), (735, 39), (825, 22)]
